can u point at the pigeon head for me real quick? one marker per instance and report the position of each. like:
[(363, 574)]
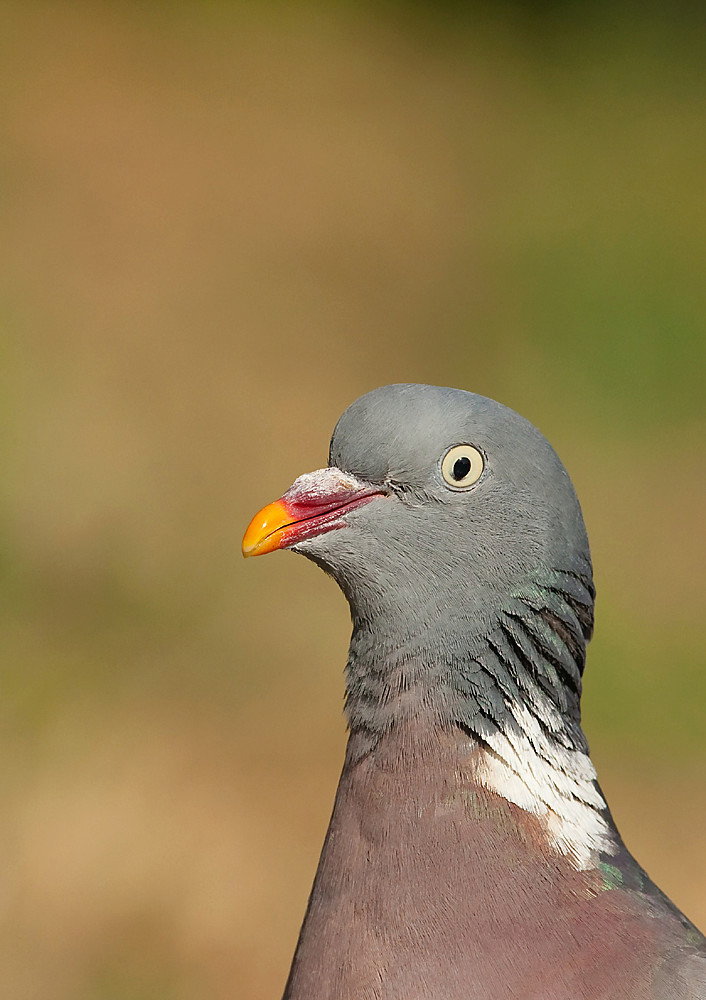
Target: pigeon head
[(455, 533), (476, 500)]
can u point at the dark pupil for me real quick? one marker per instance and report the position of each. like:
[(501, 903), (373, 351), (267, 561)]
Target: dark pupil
[(462, 466)]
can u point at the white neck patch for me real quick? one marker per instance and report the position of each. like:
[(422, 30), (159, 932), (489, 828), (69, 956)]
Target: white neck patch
[(553, 782)]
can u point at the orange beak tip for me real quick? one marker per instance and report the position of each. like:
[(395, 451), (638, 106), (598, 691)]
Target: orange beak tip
[(264, 532)]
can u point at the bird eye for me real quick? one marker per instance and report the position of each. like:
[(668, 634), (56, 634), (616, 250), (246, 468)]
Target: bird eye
[(462, 466)]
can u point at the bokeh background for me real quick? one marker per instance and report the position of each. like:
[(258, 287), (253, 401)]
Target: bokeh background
[(222, 223)]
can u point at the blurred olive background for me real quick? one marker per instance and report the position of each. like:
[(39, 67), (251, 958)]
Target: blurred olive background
[(221, 224)]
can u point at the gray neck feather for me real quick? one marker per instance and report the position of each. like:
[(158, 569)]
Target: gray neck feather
[(529, 653)]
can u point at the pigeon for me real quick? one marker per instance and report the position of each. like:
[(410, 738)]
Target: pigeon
[(471, 854)]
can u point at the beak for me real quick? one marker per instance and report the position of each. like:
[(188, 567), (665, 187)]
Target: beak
[(314, 504)]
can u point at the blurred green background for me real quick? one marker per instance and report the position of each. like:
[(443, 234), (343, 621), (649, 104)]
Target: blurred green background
[(222, 223)]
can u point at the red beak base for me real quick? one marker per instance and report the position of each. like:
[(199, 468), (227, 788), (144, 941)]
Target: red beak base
[(314, 504)]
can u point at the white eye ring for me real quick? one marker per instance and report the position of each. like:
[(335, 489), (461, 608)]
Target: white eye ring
[(462, 466)]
